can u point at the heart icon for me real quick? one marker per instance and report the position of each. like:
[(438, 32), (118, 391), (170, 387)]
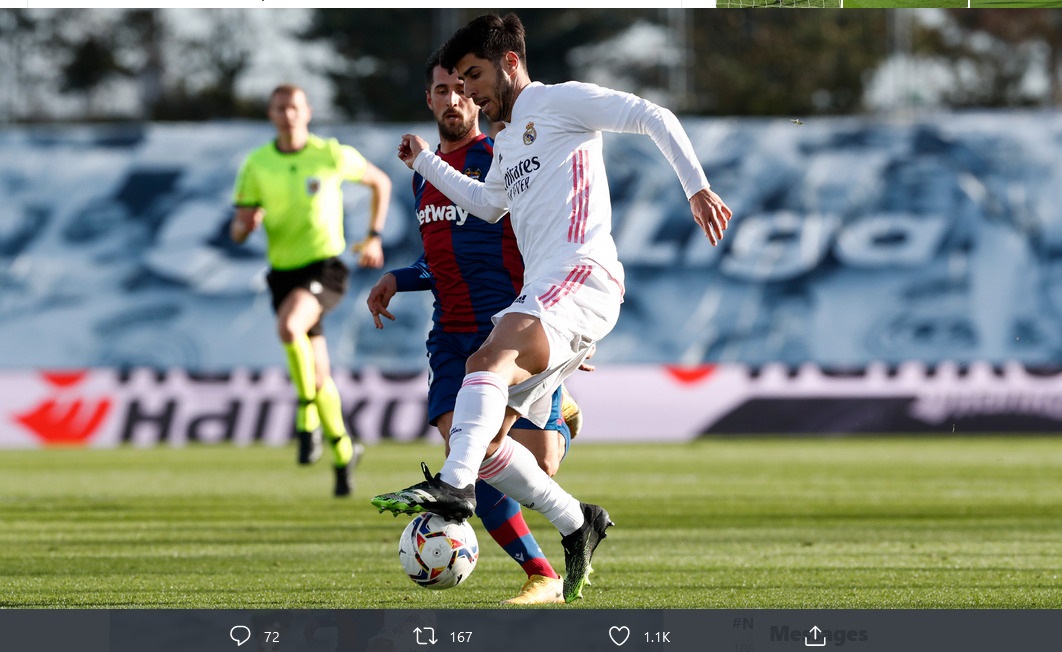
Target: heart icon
[(619, 635)]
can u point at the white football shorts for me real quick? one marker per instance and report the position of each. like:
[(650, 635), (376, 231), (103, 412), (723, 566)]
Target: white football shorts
[(576, 309)]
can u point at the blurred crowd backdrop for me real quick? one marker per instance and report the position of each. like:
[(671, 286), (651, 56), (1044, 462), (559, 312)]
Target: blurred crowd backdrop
[(893, 175)]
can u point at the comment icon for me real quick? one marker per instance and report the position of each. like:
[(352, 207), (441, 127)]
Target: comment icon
[(241, 634)]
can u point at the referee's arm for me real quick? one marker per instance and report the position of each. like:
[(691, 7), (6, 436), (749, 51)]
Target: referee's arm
[(379, 184), (246, 220)]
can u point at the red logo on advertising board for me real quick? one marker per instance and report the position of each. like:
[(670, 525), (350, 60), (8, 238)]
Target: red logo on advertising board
[(65, 420), (690, 375)]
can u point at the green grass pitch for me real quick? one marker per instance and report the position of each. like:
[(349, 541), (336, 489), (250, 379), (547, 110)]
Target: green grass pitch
[(1015, 4), (786, 4), (762, 523), (902, 4)]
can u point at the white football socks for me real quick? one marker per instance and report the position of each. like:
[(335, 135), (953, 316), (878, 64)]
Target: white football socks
[(513, 470), (478, 416)]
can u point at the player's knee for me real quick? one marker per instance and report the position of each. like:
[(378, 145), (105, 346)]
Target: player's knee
[(550, 464)]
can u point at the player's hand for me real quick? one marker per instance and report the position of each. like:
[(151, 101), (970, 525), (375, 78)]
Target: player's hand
[(586, 366), (711, 214), (410, 146), (380, 297), (370, 252)]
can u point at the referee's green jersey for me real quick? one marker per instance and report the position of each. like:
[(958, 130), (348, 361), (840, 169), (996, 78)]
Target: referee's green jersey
[(300, 193)]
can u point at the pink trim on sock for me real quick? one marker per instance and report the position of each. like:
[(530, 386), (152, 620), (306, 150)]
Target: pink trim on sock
[(485, 378), (497, 463)]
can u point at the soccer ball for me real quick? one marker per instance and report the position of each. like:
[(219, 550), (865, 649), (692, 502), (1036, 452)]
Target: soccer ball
[(437, 553)]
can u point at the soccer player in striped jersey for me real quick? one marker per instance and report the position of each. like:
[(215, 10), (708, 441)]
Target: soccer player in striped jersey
[(474, 270), (549, 175), (291, 188)]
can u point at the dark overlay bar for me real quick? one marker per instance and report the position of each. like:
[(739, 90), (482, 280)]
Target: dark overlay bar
[(533, 630)]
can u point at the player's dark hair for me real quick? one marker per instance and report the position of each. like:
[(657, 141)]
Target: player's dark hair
[(429, 68), (487, 37)]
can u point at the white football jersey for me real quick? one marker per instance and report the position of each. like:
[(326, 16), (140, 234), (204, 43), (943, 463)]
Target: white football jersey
[(548, 172)]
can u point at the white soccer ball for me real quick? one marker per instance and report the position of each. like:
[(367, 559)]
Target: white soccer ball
[(437, 553)]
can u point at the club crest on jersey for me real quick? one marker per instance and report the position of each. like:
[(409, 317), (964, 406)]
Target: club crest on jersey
[(313, 185), (529, 133), (474, 173)]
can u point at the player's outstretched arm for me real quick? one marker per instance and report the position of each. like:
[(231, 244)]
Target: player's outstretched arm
[(380, 297), (467, 193), (710, 213)]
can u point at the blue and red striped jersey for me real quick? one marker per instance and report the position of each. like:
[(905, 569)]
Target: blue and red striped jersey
[(474, 267)]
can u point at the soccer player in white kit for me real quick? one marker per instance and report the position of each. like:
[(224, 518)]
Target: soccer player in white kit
[(548, 172)]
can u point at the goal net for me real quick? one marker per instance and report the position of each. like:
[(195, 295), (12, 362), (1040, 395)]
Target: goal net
[(792, 4)]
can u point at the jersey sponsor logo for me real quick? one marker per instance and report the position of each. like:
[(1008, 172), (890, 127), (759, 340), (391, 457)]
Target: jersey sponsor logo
[(473, 173), (518, 177), (313, 185), (529, 133), (448, 213)]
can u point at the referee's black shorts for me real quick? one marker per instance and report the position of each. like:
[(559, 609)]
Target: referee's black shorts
[(325, 279)]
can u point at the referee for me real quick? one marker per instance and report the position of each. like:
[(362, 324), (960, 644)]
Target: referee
[(292, 188)]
